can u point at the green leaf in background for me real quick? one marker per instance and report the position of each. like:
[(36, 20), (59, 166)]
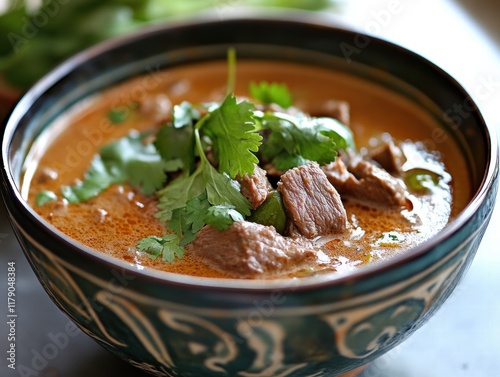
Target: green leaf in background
[(34, 41)]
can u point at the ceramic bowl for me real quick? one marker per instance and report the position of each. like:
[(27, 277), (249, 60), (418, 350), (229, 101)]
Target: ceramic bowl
[(174, 325)]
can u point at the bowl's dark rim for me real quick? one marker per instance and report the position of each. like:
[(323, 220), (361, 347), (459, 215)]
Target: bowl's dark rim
[(306, 283)]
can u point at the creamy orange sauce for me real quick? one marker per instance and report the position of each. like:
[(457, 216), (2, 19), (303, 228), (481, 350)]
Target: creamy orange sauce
[(114, 221)]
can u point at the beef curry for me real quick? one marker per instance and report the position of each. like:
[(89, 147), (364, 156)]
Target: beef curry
[(379, 177)]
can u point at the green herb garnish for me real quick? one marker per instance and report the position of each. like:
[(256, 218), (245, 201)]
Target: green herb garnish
[(44, 197), (269, 93), (208, 146), (294, 140), (125, 160), (167, 246), (233, 129)]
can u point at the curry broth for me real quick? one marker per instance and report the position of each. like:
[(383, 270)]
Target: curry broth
[(114, 221)]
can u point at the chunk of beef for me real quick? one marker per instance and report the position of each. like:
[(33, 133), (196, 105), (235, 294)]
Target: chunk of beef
[(388, 155), (251, 250), (339, 110), (366, 182), (312, 203), (255, 187)]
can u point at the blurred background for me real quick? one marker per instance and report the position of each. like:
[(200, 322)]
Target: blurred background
[(462, 37)]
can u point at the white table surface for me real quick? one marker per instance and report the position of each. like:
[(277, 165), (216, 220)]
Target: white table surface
[(463, 337)]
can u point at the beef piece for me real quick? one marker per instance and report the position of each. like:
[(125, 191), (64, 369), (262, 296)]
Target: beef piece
[(255, 187), (311, 201), (366, 182), (339, 110), (388, 155), (251, 250)]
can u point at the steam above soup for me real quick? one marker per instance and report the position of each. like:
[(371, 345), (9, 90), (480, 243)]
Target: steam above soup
[(295, 171)]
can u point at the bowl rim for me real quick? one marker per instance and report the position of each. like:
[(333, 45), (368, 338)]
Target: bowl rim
[(303, 283)]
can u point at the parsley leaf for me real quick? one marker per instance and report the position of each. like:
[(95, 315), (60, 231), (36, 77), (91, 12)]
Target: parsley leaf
[(127, 159), (232, 128), (268, 93)]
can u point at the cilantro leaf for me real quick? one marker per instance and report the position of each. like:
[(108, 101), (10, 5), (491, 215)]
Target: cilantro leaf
[(167, 246), (268, 93), (127, 159), (185, 203), (222, 216), (194, 194), (176, 145), (117, 115), (96, 179), (284, 161), (232, 130), (296, 139), (182, 226), (196, 211), (178, 192), (221, 190), (152, 245)]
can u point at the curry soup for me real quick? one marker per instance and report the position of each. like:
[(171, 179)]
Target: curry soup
[(115, 220)]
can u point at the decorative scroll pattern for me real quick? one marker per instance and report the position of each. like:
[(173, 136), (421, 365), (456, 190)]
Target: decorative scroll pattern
[(167, 339)]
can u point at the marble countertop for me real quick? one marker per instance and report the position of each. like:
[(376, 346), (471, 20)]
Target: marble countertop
[(461, 339)]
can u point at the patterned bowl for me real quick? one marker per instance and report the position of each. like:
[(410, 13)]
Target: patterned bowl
[(174, 325)]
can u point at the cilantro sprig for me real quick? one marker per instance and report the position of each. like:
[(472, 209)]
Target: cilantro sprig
[(209, 195), (269, 93), (128, 159), (232, 127), (294, 140)]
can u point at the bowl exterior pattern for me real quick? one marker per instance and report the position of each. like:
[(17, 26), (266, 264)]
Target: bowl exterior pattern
[(171, 328), (181, 337)]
